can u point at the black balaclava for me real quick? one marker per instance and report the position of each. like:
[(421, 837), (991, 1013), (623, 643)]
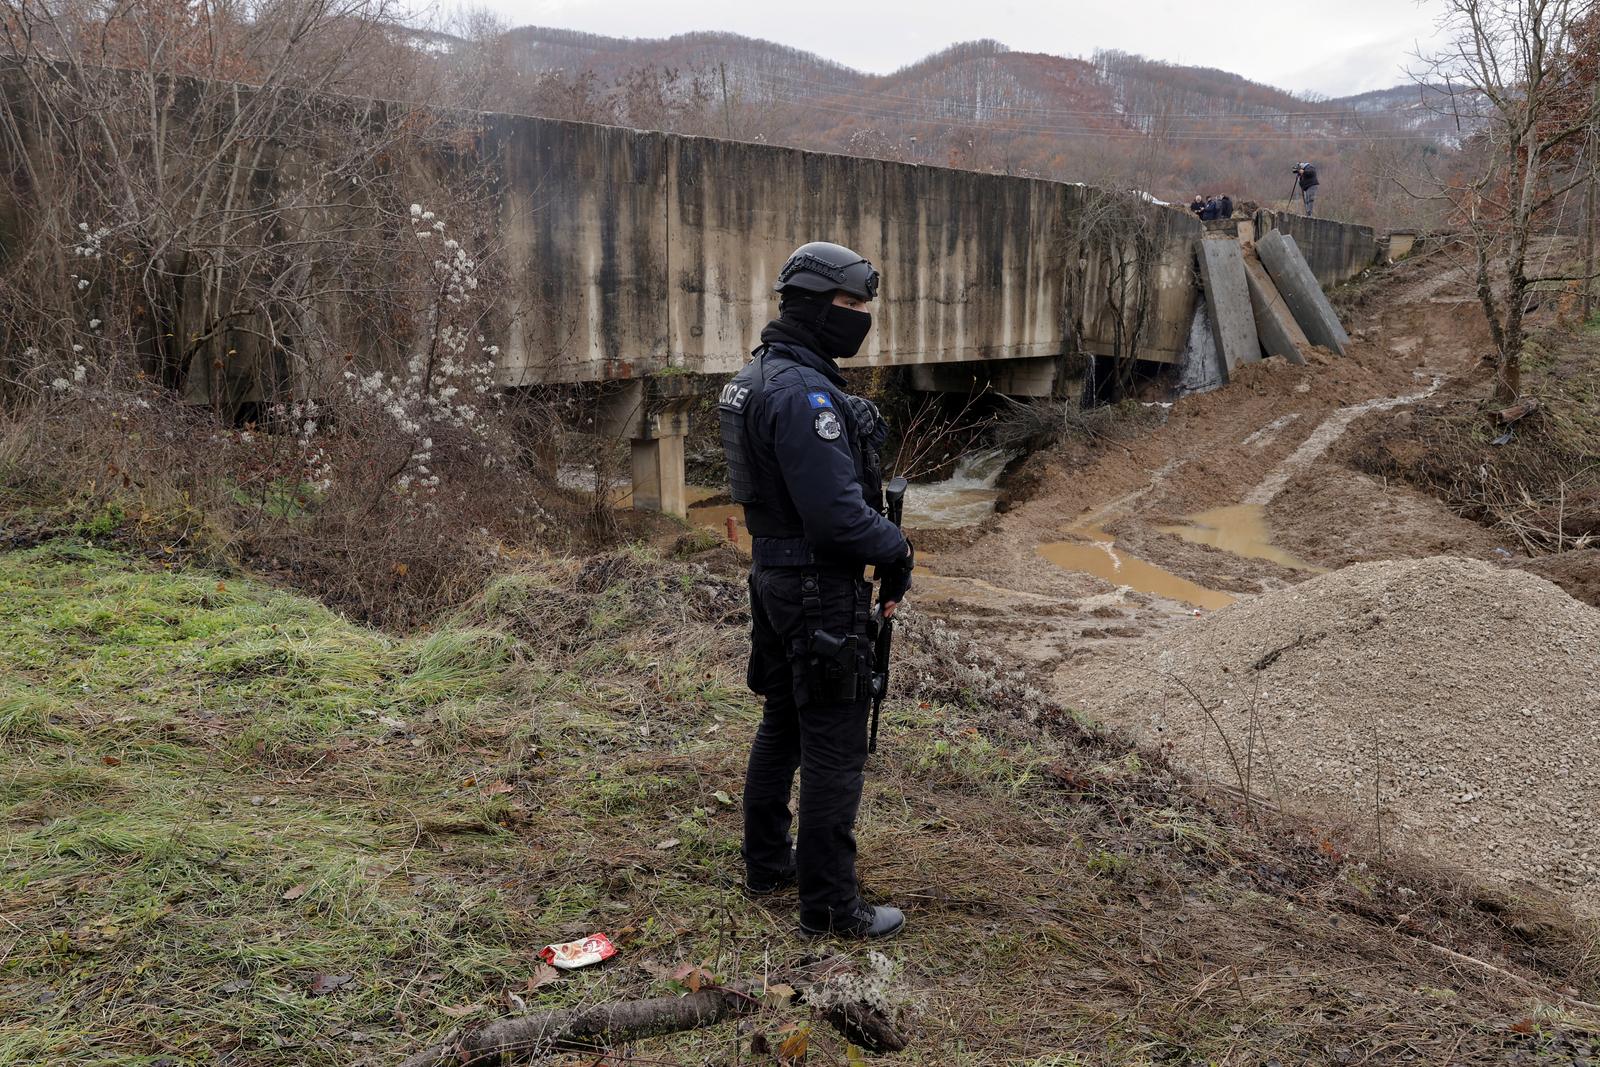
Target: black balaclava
[(815, 321)]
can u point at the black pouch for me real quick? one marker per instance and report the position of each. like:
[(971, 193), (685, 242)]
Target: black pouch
[(830, 667), (826, 668)]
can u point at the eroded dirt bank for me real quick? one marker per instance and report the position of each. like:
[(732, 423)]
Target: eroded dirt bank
[(1166, 621)]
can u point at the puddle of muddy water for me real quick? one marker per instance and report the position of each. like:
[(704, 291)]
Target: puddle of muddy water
[(715, 517), (1240, 529), (1097, 554)]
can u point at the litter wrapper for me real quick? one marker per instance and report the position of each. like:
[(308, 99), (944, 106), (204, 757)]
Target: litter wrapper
[(579, 953)]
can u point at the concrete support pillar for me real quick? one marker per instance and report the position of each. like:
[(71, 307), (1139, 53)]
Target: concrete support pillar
[(653, 414), (1301, 291), (658, 476)]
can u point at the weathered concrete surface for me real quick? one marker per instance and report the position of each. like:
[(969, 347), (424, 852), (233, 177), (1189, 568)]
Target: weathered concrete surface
[(1301, 292), (635, 252), (1037, 376), (1279, 334), (659, 482), (968, 270), (1396, 245), (1228, 298), (1335, 251)]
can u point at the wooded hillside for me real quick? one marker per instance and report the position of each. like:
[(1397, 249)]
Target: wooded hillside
[(1114, 118)]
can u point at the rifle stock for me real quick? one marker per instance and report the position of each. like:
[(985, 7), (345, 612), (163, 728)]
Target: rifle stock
[(894, 508)]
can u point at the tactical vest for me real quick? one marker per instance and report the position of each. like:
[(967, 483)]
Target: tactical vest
[(738, 397), (744, 393)]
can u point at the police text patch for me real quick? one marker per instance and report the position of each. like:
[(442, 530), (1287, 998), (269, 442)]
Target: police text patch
[(820, 400), (828, 426), (734, 395)]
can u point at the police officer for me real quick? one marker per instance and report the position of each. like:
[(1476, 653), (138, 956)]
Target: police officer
[(803, 460)]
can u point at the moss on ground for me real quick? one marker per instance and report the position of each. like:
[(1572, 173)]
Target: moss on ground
[(240, 829)]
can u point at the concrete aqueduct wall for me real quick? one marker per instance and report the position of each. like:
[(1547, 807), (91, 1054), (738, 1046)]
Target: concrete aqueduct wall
[(1336, 251), (649, 251)]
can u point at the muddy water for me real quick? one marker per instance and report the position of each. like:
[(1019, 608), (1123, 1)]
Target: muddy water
[(966, 498), (1097, 554), (1241, 530), (716, 516)]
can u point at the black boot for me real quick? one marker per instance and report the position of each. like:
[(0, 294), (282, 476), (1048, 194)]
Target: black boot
[(760, 885), (862, 921)]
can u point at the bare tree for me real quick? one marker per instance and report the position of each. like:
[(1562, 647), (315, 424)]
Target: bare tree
[(219, 201), (213, 182), (1519, 60)]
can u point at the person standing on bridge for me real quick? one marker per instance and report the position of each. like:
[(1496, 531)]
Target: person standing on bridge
[(1305, 180), (803, 460)]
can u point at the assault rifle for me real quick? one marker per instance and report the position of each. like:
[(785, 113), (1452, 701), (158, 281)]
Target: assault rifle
[(895, 496)]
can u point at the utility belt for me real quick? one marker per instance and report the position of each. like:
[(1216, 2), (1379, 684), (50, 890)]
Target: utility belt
[(830, 667), (782, 552)]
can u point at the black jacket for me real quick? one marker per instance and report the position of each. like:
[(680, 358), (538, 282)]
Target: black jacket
[(795, 449)]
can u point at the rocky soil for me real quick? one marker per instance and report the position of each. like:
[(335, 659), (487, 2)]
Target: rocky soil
[(1450, 705)]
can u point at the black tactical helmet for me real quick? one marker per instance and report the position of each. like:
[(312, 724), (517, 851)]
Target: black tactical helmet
[(821, 267)]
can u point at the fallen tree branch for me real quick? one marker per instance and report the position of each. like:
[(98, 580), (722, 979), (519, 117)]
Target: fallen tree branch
[(526, 1037)]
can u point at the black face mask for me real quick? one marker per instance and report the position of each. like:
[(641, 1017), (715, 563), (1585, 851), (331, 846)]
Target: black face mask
[(826, 328), (842, 330)]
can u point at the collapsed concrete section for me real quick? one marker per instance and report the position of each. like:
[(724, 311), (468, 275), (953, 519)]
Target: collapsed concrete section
[(1335, 251), (1300, 291), (1396, 245), (1280, 335), (1201, 366), (1233, 325)]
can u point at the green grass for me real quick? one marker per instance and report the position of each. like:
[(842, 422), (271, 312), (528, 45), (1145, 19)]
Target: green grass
[(215, 792)]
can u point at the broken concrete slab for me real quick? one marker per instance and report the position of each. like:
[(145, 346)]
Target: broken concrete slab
[(1300, 290), (1397, 245), (1280, 335), (1233, 324)]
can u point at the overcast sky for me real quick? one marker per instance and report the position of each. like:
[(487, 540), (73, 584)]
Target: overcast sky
[(1332, 48)]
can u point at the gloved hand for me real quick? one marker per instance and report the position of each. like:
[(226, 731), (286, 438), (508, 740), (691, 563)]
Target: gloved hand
[(895, 578)]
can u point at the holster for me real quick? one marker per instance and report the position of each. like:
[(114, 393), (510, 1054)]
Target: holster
[(829, 667)]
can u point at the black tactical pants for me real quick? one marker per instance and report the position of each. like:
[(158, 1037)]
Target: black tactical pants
[(811, 723)]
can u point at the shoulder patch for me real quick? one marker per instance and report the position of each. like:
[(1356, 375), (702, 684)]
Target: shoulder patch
[(828, 425), (820, 400)]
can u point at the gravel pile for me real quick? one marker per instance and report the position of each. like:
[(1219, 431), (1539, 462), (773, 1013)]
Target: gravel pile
[(1452, 702)]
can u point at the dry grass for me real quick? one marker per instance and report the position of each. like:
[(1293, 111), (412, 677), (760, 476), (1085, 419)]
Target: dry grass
[(216, 792), (142, 468), (1542, 484)]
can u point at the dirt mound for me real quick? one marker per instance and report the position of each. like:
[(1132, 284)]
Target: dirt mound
[(1334, 516), (1577, 572), (1445, 705)]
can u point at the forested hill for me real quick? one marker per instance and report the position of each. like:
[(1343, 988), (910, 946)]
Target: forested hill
[(1111, 118)]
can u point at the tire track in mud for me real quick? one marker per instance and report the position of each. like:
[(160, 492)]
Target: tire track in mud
[(1323, 438)]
